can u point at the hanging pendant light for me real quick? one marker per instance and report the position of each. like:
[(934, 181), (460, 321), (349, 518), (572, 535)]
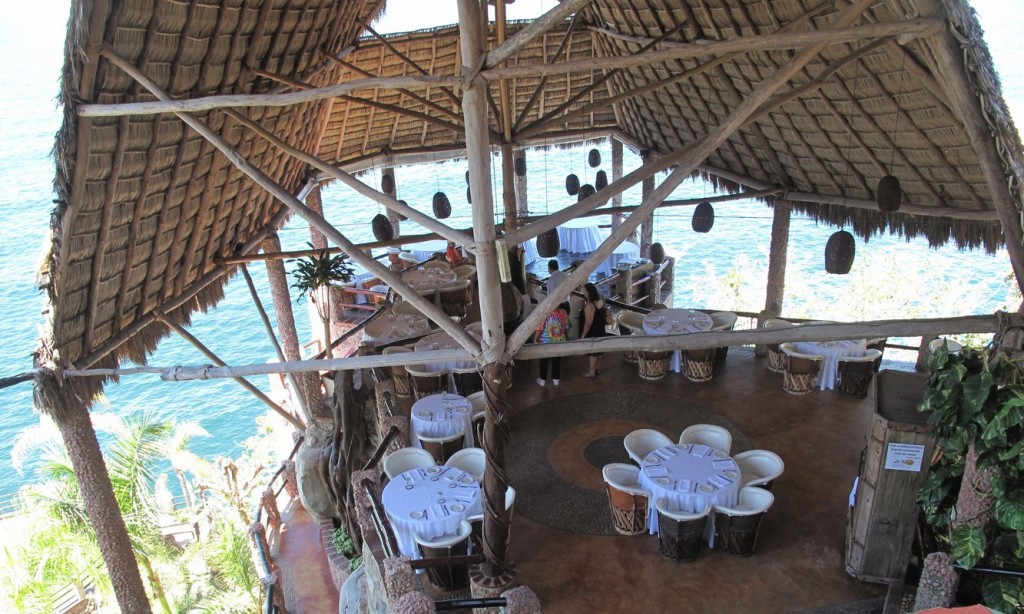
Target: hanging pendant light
[(382, 229), (586, 191), (469, 195), (547, 244), (519, 164), (467, 177), (594, 158), (657, 253), (839, 253), (703, 217), (387, 183), (442, 206), (888, 194), (572, 184), (601, 180)]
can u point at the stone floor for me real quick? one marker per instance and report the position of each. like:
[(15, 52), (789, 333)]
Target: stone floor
[(799, 561)]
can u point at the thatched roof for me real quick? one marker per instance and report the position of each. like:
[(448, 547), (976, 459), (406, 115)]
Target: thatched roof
[(148, 207)]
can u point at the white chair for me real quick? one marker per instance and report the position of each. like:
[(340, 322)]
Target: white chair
[(628, 502), (406, 459), (471, 460), (736, 528), (630, 323), (774, 354), (952, 347), (759, 468), (709, 435), (800, 371), (720, 321), (399, 374), (437, 264), (447, 577), (408, 258), (642, 442), (680, 534)]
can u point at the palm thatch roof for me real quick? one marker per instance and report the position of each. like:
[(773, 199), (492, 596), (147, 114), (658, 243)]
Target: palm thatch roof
[(148, 207)]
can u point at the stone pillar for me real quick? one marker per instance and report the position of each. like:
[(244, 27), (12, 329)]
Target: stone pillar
[(483, 586), (521, 600), (938, 583)]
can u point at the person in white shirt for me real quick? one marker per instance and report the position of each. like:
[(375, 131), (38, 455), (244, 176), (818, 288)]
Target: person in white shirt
[(556, 278)]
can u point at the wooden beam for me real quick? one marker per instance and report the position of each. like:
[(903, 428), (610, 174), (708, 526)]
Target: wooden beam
[(765, 42), (426, 307), (537, 27), (420, 99), (208, 103), (535, 96)]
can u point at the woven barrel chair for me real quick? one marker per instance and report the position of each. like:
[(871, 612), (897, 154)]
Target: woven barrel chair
[(447, 577), (736, 528), (801, 371), (426, 383), (630, 323), (699, 365), (855, 373), (442, 448), (774, 353), (455, 298), (722, 321), (653, 366), (680, 534), (629, 503), (467, 381), (403, 386)]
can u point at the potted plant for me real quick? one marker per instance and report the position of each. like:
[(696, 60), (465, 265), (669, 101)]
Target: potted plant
[(973, 498), (314, 276)]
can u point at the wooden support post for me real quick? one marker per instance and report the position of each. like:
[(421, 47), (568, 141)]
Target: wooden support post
[(508, 190), (616, 175), (496, 439), (389, 169), (776, 285), (522, 200), (647, 225)]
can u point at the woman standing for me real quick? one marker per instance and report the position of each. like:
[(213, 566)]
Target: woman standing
[(592, 319), (553, 329)]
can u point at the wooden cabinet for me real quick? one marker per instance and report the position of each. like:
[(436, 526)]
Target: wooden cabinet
[(883, 518)]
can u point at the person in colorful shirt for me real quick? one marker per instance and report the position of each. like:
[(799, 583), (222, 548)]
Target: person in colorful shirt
[(554, 329)]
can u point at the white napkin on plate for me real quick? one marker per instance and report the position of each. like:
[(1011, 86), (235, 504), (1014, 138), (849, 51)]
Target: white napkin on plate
[(656, 471)]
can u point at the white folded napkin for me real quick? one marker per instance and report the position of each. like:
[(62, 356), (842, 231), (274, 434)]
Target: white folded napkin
[(656, 471)]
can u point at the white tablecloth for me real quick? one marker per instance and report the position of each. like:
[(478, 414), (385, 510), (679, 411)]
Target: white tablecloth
[(441, 415), (430, 503), (580, 236), (675, 322), (832, 351), (623, 251), (391, 327), (443, 341), (426, 249), (358, 278), (530, 254), (690, 476)]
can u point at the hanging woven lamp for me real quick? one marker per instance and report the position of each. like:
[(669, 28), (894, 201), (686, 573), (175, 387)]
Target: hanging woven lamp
[(703, 217), (839, 253), (382, 230), (586, 190), (547, 244), (572, 184), (601, 180), (387, 183), (469, 195), (888, 194), (519, 165), (467, 177), (594, 158), (657, 253), (442, 206)]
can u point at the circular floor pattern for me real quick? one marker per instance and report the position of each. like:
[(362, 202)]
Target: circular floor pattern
[(558, 448)]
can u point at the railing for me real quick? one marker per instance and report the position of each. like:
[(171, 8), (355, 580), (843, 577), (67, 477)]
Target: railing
[(466, 604), (261, 554), (380, 522), (379, 452)]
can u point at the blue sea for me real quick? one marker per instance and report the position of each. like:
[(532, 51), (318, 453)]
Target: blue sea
[(733, 254)]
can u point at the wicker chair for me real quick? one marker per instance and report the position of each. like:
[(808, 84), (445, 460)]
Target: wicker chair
[(399, 374), (699, 365), (630, 323), (952, 347), (477, 520), (877, 344), (642, 442), (467, 381), (456, 298), (629, 503), (855, 373), (470, 460), (736, 527), (426, 383), (680, 534), (759, 468), (440, 265), (442, 448), (708, 435), (653, 366), (406, 459), (801, 371), (722, 320), (774, 353), (478, 403), (447, 577)]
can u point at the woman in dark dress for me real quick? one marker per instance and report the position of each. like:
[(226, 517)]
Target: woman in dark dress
[(592, 319)]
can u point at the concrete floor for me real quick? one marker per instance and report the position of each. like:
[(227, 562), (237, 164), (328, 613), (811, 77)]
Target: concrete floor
[(799, 561)]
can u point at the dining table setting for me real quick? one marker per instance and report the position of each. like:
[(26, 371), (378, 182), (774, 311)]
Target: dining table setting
[(441, 340), (581, 235), (832, 351), (676, 322), (441, 416), (392, 327), (430, 502)]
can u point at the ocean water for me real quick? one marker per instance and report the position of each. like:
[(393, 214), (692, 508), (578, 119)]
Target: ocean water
[(30, 60)]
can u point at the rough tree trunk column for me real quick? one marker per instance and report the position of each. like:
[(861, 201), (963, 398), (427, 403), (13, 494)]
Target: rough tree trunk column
[(616, 175), (522, 199), (776, 287), (316, 204), (647, 225), (309, 383), (72, 419), (389, 167)]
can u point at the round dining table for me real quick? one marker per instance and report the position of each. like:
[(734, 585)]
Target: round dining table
[(430, 502), (676, 322), (443, 341), (441, 415), (393, 327), (624, 251), (832, 351), (690, 477), (580, 235)]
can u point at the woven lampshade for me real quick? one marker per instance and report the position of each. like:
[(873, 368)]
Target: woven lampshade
[(467, 177), (839, 253), (519, 164), (703, 218), (382, 230), (572, 184), (387, 183), (469, 195), (889, 195), (601, 180), (586, 190), (657, 253), (442, 206), (594, 158), (547, 244)]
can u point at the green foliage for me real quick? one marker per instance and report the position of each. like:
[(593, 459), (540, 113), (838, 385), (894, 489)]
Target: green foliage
[(354, 563), (343, 543), (977, 396), (320, 270)]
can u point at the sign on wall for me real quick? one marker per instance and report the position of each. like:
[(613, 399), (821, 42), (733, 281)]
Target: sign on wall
[(904, 457)]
